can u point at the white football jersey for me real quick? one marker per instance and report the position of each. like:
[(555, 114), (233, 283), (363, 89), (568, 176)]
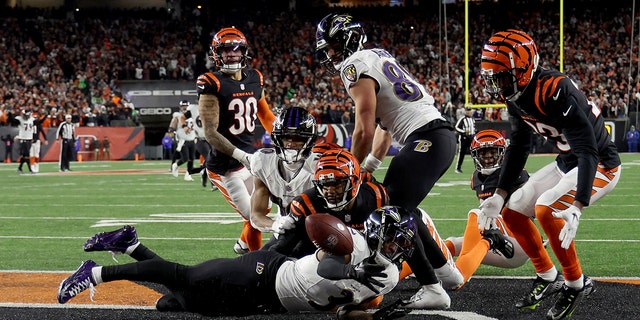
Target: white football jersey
[(264, 165), (26, 127), (183, 134), (403, 104), (300, 288), (197, 122)]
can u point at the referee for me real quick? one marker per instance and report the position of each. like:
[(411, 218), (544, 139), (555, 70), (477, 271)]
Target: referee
[(466, 129), (67, 133)]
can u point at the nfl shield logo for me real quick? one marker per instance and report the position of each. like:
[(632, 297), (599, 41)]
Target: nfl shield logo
[(242, 86), (259, 267)]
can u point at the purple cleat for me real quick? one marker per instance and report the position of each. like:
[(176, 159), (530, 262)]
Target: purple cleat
[(116, 241), (79, 281)]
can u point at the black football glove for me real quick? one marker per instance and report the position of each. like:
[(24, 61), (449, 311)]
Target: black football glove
[(365, 273)]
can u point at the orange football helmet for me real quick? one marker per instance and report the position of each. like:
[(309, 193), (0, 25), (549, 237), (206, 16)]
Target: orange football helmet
[(509, 59), (337, 178), (229, 38), (487, 150)]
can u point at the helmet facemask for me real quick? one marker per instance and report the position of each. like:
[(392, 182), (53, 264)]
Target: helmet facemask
[(488, 159), (229, 40), (509, 60), (337, 178), (487, 150), (391, 231), (501, 84), (294, 135)]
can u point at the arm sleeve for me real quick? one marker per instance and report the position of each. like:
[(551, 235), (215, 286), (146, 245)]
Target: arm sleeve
[(334, 267), (581, 138), (267, 118), (516, 154)]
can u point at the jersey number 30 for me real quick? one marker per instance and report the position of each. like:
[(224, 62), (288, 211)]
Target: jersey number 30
[(244, 115)]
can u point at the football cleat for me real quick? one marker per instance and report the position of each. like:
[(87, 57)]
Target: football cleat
[(116, 242), (569, 298), (498, 243), (450, 277), (431, 296), (540, 290), (174, 170), (77, 282), (240, 248), (187, 177)]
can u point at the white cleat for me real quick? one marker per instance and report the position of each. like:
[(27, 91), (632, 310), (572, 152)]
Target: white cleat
[(431, 296), (450, 276), (174, 170), (187, 177)]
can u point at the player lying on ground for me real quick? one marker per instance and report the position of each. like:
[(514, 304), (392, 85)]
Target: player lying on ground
[(236, 287)]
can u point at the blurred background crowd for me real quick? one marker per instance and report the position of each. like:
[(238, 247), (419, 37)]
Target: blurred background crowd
[(55, 62)]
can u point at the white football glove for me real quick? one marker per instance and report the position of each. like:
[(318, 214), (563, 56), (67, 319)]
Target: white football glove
[(489, 211), (180, 144), (571, 217), (282, 223), (243, 157)]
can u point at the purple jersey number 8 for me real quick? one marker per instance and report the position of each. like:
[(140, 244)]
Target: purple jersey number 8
[(405, 86)]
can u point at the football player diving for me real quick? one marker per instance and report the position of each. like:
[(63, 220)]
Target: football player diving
[(321, 281)]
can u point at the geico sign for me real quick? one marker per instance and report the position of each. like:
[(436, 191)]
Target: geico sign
[(151, 93), (154, 111)]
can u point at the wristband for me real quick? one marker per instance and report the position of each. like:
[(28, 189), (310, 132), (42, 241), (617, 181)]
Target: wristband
[(239, 155), (371, 163)]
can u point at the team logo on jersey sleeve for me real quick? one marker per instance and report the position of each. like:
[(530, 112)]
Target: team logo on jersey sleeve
[(259, 267), (349, 72)]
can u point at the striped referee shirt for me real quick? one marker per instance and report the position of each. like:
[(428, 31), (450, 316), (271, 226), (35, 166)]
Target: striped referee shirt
[(66, 130), (466, 126)]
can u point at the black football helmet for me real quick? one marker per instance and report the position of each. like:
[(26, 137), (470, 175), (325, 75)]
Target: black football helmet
[(390, 230), (337, 37), (297, 124)]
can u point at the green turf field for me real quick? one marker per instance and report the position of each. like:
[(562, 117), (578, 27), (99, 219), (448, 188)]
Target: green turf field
[(45, 218)]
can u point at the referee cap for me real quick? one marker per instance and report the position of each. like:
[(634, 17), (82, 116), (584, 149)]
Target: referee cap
[(67, 116)]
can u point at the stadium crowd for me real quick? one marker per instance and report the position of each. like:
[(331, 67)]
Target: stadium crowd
[(57, 64)]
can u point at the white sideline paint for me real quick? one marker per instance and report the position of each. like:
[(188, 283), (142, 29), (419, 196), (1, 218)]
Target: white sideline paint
[(74, 306), (458, 315)]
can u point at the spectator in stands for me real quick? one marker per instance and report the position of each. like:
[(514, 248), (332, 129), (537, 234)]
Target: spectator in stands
[(632, 139)]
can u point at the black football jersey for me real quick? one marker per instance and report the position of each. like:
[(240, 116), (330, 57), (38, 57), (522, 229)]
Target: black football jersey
[(238, 101), (296, 243), (554, 107), (485, 185)]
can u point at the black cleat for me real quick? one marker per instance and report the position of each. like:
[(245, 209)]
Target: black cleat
[(498, 243), (568, 300), (540, 290)]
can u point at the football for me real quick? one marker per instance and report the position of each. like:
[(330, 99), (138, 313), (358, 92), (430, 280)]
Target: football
[(329, 233)]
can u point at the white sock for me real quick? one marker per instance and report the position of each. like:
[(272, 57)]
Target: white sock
[(575, 284), (549, 275), (131, 248), (96, 274)]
